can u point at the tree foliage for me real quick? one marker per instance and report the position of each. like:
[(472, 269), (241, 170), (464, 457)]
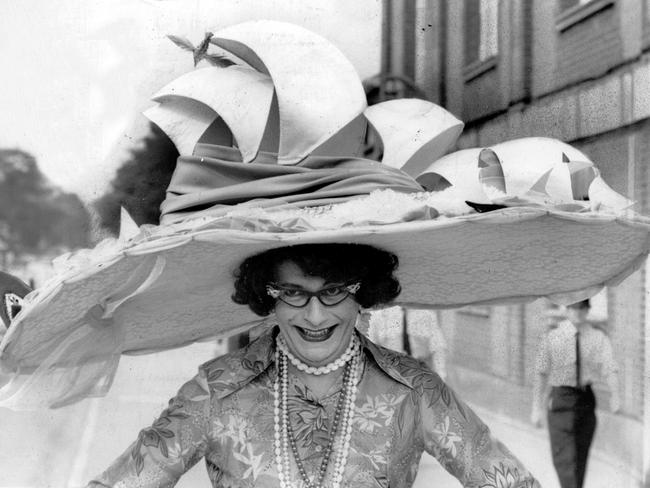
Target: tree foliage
[(140, 183), (34, 214)]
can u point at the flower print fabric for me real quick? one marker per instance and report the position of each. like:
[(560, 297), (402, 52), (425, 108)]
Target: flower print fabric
[(225, 415)]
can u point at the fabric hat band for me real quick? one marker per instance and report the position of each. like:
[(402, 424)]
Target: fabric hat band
[(214, 179)]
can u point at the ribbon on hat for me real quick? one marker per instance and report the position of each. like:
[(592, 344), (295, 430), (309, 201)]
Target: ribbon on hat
[(81, 362), (213, 181)]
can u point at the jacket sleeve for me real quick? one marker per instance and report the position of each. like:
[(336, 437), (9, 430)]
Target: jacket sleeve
[(463, 444), (176, 441)]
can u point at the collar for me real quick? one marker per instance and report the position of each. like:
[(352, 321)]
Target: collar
[(230, 373), (567, 325)]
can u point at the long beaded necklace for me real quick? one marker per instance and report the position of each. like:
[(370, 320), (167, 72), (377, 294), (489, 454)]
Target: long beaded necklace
[(344, 412), (330, 442)]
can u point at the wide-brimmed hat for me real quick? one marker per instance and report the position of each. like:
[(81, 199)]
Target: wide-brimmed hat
[(272, 155)]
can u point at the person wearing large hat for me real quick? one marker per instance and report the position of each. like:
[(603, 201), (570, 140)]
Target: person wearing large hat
[(271, 193), (312, 402)]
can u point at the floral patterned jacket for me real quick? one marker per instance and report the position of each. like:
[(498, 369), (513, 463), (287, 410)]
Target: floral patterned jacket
[(225, 415)]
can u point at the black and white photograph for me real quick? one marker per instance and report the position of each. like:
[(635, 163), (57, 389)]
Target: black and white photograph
[(325, 243)]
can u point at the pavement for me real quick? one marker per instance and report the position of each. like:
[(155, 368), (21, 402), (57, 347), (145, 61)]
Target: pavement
[(66, 447), (531, 446)]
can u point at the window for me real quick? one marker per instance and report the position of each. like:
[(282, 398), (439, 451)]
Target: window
[(567, 4), (481, 30), (571, 12), (478, 310)]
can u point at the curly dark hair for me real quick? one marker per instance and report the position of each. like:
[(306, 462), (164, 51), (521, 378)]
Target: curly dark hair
[(335, 263)]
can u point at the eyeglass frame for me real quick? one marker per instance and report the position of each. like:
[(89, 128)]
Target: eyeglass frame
[(274, 290)]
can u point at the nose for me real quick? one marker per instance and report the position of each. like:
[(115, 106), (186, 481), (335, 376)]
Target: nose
[(315, 312)]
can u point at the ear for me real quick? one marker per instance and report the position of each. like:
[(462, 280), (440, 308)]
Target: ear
[(12, 292)]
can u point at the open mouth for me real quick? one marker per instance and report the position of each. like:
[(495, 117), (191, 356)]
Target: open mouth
[(316, 335)]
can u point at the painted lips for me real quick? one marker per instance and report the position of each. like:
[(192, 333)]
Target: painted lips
[(316, 335)]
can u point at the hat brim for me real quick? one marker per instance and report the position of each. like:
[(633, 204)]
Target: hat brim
[(514, 254)]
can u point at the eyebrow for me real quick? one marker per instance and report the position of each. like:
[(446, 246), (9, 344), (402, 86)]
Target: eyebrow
[(288, 285), (299, 287)]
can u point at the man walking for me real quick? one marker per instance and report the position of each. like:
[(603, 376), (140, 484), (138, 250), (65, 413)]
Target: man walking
[(571, 357)]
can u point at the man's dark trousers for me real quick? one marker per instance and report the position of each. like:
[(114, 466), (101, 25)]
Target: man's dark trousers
[(571, 425)]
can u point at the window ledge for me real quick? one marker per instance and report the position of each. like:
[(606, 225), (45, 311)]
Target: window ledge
[(476, 310), (477, 68), (578, 13)]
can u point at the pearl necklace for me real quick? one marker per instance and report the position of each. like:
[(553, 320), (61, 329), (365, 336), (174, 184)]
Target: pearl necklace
[(328, 368), (348, 416), (283, 429), (330, 442)]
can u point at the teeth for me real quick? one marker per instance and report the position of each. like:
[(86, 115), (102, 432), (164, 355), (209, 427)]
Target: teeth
[(316, 333)]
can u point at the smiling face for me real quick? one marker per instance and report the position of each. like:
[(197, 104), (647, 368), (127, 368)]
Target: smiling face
[(316, 334)]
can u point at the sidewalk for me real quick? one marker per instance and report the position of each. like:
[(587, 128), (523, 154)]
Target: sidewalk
[(531, 446)]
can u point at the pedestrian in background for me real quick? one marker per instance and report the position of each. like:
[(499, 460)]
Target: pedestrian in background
[(415, 332), (571, 357)]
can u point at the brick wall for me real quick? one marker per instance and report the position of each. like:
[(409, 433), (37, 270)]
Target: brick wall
[(535, 326), (642, 167), (490, 340), (642, 173), (408, 26), (520, 45), (611, 152), (483, 90), (482, 95), (567, 4), (395, 58), (646, 25), (589, 48), (430, 30), (584, 50), (608, 117), (622, 152), (471, 340), (471, 26)]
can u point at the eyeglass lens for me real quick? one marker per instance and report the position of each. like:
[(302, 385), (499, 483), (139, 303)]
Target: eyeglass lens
[(299, 298)]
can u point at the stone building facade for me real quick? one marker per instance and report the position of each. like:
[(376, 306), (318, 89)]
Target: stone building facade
[(576, 70)]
